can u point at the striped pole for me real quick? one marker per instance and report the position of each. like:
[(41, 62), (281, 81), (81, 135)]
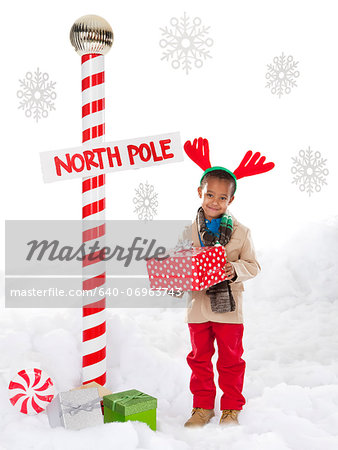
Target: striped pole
[(92, 37), (93, 208)]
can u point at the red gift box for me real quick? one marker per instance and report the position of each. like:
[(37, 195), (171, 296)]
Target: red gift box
[(194, 269)]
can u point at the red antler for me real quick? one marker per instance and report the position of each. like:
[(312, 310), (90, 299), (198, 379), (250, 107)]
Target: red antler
[(199, 152), (252, 166)]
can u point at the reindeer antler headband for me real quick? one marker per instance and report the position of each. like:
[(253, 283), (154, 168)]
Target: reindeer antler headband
[(250, 164)]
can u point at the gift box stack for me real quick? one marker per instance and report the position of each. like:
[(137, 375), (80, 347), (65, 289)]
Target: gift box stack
[(76, 409), (130, 405), (101, 390), (191, 269), (81, 407)]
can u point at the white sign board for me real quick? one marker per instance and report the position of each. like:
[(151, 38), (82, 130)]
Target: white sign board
[(135, 153)]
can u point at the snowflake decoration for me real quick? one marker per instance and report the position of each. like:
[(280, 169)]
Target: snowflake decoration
[(185, 43), (145, 201), (309, 171), (37, 95), (281, 75)]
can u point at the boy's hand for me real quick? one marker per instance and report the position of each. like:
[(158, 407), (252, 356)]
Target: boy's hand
[(229, 270)]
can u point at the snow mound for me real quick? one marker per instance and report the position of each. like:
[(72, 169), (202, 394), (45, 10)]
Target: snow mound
[(291, 351)]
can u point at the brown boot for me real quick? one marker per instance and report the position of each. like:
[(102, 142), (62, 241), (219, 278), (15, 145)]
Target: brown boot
[(229, 417), (199, 417)]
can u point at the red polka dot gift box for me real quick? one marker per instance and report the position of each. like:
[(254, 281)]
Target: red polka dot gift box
[(193, 269)]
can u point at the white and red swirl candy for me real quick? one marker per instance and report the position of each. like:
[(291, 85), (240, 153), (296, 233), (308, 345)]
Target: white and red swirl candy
[(31, 390)]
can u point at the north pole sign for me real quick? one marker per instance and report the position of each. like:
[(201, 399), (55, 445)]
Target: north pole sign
[(92, 37), (127, 154)]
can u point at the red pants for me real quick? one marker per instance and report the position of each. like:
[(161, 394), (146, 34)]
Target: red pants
[(230, 365)]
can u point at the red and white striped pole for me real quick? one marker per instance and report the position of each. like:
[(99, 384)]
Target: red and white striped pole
[(92, 38)]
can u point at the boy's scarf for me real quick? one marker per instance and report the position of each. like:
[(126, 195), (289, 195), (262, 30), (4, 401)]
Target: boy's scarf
[(220, 294)]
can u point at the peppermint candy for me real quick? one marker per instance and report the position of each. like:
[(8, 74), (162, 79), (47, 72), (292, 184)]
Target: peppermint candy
[(31, 390)]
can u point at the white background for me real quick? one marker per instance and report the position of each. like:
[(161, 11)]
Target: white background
[(226, 101)]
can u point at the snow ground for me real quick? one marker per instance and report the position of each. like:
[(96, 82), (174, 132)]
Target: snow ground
[(291, 351)]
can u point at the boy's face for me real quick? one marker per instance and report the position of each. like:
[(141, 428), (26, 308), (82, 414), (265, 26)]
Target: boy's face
[(216, 197)]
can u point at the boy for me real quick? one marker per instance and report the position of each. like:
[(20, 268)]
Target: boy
[(218, 315)]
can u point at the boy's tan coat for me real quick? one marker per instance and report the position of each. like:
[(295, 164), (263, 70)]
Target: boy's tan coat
[(240, 251)]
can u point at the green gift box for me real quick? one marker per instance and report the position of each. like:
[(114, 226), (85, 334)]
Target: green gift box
[(130, 405)]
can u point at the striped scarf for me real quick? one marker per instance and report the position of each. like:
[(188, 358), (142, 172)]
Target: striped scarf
[(220, 294)]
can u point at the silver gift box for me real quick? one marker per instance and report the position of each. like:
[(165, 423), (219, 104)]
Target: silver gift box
[(75, 410)]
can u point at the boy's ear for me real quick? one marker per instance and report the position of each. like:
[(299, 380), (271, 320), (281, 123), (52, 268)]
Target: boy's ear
[(199, 190), (231, 200)]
